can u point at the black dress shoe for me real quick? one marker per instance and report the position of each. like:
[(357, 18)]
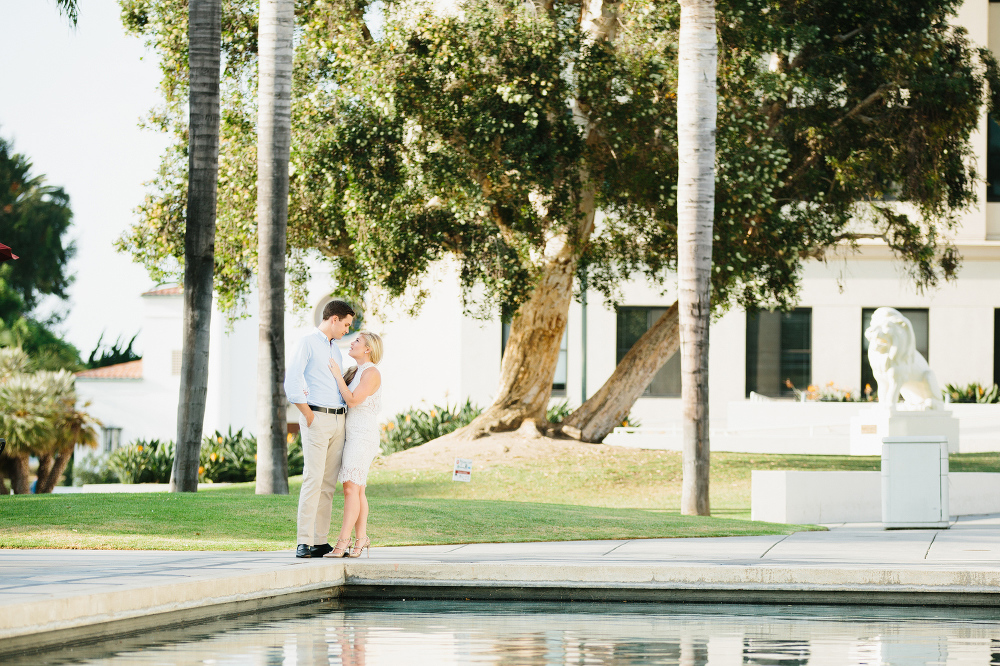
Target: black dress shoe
[(304, 550), (321, 550)]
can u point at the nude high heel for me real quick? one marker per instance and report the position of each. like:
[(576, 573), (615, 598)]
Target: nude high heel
[(344, 550), (361, 545)]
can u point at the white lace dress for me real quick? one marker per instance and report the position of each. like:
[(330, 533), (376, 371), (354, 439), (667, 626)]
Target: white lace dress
[(362, 443)]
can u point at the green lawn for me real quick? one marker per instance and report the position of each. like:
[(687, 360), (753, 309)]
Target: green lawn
[(595, 493)]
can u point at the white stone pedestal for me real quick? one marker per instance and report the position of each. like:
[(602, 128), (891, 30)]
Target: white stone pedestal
[(915, 483), (871, 426)]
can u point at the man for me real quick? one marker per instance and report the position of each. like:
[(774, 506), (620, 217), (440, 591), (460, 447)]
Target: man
[(312, 388)]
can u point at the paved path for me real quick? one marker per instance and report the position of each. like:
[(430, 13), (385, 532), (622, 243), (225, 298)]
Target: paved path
[(51, 590)]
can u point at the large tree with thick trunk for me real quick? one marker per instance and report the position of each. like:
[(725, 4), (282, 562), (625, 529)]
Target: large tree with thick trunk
[(274, 133), (204, 60)]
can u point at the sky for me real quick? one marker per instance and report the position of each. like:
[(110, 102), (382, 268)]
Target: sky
[(71, 100)]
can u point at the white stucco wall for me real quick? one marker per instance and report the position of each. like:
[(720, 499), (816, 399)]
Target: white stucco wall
[(145, 408)]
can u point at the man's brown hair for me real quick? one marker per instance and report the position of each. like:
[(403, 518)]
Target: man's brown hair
[(338, 308)]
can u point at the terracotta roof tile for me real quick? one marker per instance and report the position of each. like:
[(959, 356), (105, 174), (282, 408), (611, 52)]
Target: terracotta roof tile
[(165, 291), (128, 370)]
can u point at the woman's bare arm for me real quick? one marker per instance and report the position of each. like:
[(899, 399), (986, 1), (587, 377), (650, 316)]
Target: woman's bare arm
[(370, 381)]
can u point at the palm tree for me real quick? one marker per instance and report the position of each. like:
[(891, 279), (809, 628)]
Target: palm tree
[(72, 427), (71, 9), (27, 414), (18, 421), (204, 54), (696, 116), (277, 21)]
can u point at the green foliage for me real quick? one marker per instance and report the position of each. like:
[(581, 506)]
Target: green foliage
[(973, 392), (143, 461), (34, 218), (103, 355), (224, 458), (70, 9), (228, 458), (557, 412), (296, 461), (46, 350), (92, 467), (455, 135), (419, 426), (34, 407)]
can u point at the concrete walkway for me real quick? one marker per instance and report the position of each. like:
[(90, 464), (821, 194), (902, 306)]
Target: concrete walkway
[(57, 595)]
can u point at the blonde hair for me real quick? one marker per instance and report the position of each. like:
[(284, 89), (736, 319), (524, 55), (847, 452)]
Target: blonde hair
[(374, 343)]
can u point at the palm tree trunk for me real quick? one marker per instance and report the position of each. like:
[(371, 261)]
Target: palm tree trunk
[(45, 462), (277, 22), (696, 116), (205, 45), (47, 483), (16, 469), (604, 410)]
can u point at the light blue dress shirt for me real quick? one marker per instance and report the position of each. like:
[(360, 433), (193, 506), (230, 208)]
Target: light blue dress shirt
[(309, 369)]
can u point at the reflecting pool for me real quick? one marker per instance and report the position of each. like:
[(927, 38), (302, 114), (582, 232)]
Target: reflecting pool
[(357, 633)]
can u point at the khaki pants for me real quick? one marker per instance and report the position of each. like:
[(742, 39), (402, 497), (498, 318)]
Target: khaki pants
[(322, 451)]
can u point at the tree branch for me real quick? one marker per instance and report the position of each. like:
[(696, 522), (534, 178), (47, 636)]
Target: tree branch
[(878, 94), (840, 39)]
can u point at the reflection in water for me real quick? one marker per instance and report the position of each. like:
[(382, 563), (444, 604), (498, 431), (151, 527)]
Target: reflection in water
[(356, 633)]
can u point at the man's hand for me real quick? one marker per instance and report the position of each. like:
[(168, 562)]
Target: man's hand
[(306, 412)]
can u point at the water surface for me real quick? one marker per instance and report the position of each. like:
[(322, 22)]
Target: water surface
[(356, 633)]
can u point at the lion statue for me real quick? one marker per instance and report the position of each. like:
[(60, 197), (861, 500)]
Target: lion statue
[(899, 369)]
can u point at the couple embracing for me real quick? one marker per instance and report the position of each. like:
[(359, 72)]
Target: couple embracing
[(339, 427)]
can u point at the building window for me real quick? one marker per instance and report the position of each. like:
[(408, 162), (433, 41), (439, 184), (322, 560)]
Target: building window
[(918, 318), (992, 159), (632, 323), (996, 345), (779, 352), (111, 439), (559, 379), (175, 362)]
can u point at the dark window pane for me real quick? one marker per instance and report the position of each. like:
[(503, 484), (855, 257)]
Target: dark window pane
[(779, 350), (919, 318), (632, 323), (992, 160), (996, 346), (559, 380)]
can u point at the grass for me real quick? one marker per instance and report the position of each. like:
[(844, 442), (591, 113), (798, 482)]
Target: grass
[(593, 493)]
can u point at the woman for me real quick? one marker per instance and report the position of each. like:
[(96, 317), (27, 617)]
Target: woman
[(361, 388)]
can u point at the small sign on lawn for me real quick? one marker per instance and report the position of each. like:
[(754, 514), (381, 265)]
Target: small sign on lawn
[(463, 470)]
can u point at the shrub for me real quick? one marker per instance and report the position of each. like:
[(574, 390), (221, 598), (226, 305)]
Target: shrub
[(224, 458), (974, 392), (143, 461), (229, 458), (295, 460), (556, 413), (419, 426), (92, 467)]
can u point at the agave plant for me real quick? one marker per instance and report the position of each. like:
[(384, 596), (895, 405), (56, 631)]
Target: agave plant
[(973, 392)]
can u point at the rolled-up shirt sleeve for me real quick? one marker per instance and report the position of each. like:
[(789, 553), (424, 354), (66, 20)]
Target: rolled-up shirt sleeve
[(295, 377)]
